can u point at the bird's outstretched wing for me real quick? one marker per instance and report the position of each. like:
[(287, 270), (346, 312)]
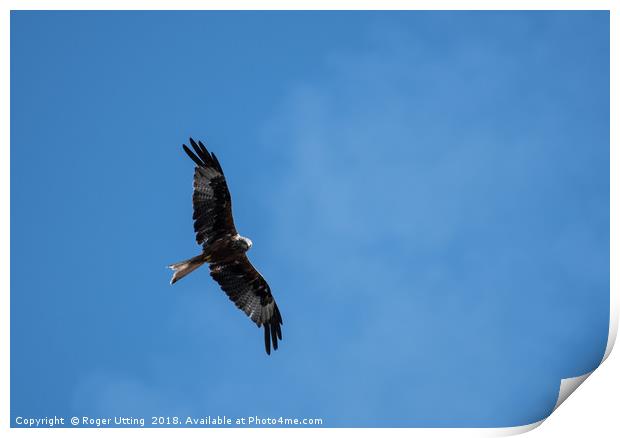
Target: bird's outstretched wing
[(213, 218), (250, 292)]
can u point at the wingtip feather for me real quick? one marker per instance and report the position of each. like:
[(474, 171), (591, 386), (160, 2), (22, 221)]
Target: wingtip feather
[(217, 163), (267, 340), (203, 148), (274, 335), (193, 156)]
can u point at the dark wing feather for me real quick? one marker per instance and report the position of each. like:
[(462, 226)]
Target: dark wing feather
[(213, 217), (250, 292)]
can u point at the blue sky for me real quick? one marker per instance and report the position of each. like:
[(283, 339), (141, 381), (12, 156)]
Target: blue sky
[(427, 193)]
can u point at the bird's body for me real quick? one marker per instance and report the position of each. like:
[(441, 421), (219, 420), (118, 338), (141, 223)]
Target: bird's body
[(224, 249)]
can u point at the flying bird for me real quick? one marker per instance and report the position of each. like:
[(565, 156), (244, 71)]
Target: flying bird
[(224, 249)]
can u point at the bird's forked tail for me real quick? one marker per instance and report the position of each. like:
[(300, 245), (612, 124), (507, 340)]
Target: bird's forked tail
[(183, 268)]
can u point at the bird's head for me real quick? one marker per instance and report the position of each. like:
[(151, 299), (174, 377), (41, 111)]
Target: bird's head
[(244, 242), (247, 242)]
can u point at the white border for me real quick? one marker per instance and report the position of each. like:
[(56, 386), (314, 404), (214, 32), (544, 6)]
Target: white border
[(567, 386)]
